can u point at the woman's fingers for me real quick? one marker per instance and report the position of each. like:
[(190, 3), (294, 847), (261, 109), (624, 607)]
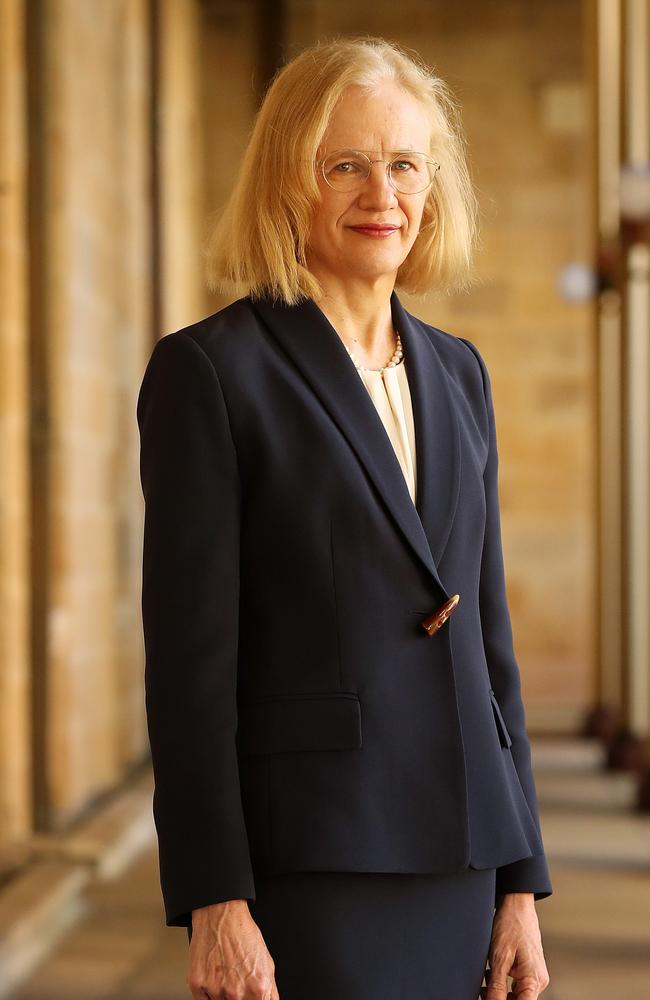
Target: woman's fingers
[(516, 951), (228, 958), (497, 984), (497, 988)]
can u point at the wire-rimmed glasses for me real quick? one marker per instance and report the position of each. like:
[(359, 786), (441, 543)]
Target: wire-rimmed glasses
[(408, 172)]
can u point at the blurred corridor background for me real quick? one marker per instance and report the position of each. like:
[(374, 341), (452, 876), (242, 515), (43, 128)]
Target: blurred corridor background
[(121, 125)]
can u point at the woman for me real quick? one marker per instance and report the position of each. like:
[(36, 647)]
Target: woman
[(344, 799)]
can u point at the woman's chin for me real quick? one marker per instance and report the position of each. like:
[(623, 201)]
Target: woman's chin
[(369, 265)]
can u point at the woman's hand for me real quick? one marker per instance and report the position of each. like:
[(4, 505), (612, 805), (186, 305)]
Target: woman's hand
[(515, 950), (228, 959)]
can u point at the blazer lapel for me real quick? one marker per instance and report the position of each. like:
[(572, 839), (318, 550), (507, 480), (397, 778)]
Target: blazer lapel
[(316, 349), (437, 431)]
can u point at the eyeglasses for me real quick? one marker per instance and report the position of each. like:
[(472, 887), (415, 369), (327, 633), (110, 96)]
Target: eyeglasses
[(349, 169)]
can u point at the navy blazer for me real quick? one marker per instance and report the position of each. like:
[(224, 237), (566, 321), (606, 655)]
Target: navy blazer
[(299, 715)]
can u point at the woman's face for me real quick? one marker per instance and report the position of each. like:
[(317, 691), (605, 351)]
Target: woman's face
[(389, 121)]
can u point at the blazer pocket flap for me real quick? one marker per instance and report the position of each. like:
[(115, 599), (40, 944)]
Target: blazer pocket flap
[(289, 723), (504, 735)]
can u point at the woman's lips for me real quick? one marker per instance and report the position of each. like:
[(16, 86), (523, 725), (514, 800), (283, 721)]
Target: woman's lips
[(378, 232)]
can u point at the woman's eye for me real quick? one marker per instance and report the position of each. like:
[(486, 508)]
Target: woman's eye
[(402, 166), (345, 168)]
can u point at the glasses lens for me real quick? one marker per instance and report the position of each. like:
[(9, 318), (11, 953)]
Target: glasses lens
[(345, 169), (412, 172), (348, 170)]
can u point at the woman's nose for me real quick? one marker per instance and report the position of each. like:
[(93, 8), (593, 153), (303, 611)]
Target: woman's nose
[(377, 190)]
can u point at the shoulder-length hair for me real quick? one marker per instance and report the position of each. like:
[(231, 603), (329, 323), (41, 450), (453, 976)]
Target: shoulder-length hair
[(258, 244)]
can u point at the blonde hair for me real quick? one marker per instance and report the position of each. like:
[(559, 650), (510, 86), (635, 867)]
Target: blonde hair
[(258, 244)]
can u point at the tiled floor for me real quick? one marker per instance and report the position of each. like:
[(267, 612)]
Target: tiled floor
[(596, 934), (121, 950), (595, 927)]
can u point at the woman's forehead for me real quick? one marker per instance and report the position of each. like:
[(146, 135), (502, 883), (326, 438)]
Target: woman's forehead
[(382, 152), (398, 124)]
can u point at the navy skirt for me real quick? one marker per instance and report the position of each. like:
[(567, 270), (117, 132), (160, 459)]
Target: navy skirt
[(376, 936)]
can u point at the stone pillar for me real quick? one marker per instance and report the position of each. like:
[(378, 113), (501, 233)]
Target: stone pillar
[(636, 229), (15, 706), (230, 86), (91, 223), (179, 124), (135, 334)]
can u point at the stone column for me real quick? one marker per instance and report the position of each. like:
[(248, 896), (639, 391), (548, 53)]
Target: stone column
[(15, 707), (91, 223), (179, 124)]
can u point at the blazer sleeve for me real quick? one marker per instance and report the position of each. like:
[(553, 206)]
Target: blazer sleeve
[(190, 605), (530, 874)]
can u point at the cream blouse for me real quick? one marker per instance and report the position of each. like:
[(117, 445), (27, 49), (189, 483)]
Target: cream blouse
[(389, 391)]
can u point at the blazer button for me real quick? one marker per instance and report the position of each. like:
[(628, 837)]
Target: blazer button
[(432, 622)]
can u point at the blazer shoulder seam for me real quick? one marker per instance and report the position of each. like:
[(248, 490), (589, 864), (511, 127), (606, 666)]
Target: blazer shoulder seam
[(481, 364), (203, 353), (485, 383), (435, 332)]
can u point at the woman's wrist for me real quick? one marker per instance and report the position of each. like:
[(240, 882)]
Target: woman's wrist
[(204, 911), (524, 899)]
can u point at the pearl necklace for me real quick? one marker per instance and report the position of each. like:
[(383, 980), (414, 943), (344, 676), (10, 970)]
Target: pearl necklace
[(398, 354)]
